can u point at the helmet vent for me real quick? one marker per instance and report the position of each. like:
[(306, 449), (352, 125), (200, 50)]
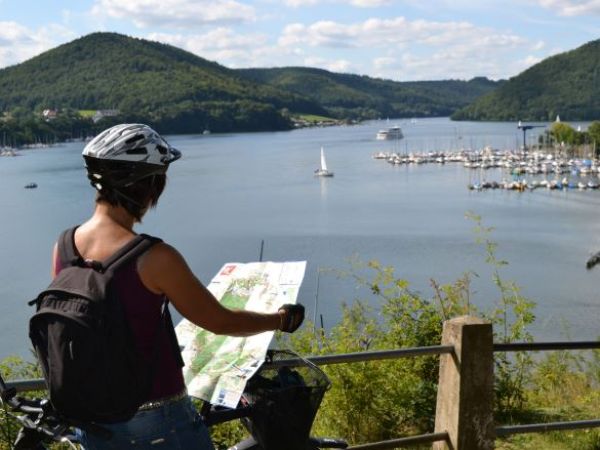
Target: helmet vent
[(162, 150), (137, 151), (137, 137)]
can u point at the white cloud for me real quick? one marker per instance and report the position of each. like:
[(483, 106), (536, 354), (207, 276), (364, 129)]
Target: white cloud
[(529, 61), (573, 7), (226, 47), (19, 43), (177, 13), (384, 62), (538, 45), (235, 50), (340, 65), (399, 48), (395, 31), (358, 3), (370, 3), (299, 3)]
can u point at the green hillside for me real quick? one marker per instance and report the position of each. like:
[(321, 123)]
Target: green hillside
[(160, 83), (567, 84), (355, 96), (178, 92)]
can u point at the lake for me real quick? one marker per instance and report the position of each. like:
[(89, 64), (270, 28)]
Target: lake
[(231, 192)]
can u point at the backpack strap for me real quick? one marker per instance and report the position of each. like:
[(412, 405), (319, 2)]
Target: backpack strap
[(69, 256), (134, 248), (67, 253)]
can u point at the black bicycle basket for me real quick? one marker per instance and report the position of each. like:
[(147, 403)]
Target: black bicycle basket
[(284, 400)]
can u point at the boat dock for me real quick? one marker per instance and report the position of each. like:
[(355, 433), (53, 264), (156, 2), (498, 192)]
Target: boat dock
[(520, 170)]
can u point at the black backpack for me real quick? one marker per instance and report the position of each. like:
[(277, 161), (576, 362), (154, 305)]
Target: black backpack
[(91, 365)]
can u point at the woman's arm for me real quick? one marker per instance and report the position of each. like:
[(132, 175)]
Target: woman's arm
[(164, 270)]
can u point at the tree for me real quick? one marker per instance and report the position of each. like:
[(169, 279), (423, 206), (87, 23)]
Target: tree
[(563, 133), (594, 132)]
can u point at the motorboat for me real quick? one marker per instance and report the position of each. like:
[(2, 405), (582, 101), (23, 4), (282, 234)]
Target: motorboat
[(392, 133), (322, 171)]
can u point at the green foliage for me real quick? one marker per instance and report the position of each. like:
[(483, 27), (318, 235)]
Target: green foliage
[(511, 318), (174, 90), (374, 401), (563, 132), (14, 368), (27, 128), (565, 387), (567, 84), (594, 132), (347, 96), (179, 92), (363, 405)]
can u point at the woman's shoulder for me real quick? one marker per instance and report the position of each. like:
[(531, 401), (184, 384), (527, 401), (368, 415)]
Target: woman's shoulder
[(162, 249), (162, 256), (161, 263)]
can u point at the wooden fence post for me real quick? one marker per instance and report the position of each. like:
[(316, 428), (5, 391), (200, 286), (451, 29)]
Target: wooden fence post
[(466, 386)]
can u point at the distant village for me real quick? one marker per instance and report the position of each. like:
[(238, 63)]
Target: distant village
[(51, 114)]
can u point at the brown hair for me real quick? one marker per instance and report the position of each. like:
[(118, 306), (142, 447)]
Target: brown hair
[(137, 197)]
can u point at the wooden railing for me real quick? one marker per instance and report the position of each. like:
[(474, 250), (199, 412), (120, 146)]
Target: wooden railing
[(464, 412)]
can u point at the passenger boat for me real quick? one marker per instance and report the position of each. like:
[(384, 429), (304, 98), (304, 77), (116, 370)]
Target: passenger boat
[(392, 133)]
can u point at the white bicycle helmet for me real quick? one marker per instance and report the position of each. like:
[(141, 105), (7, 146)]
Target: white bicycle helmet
[(126, 153)]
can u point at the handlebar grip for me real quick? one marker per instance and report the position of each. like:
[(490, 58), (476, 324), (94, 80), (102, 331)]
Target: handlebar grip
[(323, 442)]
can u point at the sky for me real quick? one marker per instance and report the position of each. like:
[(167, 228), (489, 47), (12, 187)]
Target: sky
[(402, 40)]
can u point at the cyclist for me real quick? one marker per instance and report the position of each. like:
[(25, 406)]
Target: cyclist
[(127, 165)]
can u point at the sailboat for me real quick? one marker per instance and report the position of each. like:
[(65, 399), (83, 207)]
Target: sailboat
[(322, 171)]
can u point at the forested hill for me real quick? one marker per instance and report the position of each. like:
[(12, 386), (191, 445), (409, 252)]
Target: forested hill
[(179, 92), (567, 85), (347, 95), (158, 83)]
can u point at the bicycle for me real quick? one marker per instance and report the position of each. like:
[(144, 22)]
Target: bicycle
[(277, 407)]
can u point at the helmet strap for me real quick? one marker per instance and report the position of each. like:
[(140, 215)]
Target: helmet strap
[(129, 199)]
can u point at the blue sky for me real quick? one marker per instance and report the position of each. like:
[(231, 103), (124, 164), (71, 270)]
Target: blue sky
[(402, 40)]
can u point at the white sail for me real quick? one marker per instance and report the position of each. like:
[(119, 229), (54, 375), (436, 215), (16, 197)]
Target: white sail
[(323, 162)]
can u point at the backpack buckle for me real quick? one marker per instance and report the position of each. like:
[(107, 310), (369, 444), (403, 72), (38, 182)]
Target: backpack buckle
[(93, 264)]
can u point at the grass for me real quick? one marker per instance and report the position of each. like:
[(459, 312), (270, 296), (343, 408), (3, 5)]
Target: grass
[(564, 440), (313, 118), (86, 113)]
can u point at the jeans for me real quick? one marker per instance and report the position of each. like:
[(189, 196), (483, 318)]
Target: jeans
[(174, 426)]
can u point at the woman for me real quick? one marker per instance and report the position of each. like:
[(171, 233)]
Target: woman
[(127, 165)]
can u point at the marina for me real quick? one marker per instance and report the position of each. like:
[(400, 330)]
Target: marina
[(518, 170)]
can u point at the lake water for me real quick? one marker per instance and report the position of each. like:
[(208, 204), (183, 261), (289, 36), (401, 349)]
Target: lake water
[(231, 192)]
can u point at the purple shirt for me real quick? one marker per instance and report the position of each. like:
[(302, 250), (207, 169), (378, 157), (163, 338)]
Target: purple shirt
[(142, 308)]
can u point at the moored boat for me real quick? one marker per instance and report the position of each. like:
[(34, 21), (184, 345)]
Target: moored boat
[(322, 171), (392, 133)]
